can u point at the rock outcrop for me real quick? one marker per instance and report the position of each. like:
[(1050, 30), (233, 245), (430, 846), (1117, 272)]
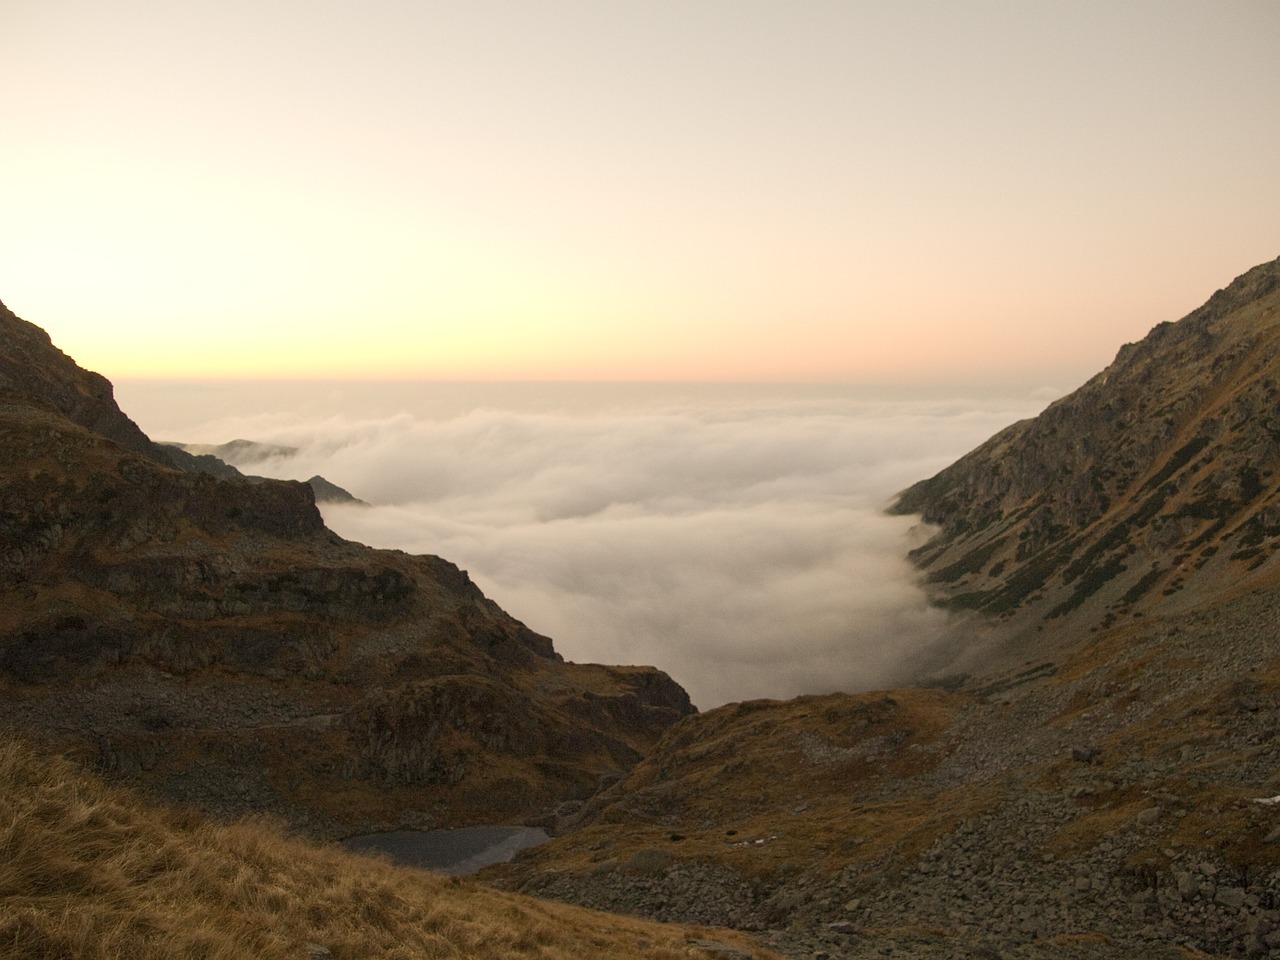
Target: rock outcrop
[(212, 640)]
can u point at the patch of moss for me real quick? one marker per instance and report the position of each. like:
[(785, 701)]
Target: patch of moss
[(971, 562), (1250, 482), (1209, 533), (1136, 592), (1090, 584), (1026, 580), (1180, 458), (973, 600)]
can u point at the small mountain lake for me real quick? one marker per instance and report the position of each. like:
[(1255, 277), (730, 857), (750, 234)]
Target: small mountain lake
[(454, 852)]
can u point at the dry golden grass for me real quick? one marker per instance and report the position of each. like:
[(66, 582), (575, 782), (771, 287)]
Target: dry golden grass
[(87, 871)]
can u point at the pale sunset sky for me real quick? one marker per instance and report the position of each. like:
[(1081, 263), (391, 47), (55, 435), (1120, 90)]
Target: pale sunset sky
[(871, 192)]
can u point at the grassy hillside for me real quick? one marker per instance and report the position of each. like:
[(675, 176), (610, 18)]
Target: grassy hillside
[(88, 871)]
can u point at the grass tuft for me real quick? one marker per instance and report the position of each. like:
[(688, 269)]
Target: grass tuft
[(89, 872)]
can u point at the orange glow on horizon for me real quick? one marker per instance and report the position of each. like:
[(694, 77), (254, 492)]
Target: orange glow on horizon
[(842, 193)]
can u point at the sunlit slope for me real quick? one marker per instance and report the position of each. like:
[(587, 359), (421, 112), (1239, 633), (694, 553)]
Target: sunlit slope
[(1154, 486), (91, 872)]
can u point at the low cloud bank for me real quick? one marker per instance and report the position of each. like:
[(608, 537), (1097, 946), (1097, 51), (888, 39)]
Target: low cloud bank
[(739, 545)]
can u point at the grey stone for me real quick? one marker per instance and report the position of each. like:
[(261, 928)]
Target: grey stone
[(1230, 897), (1148, 816), (1188, 885)]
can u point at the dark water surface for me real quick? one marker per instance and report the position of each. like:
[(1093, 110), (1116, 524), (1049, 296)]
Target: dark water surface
[(453, 852)]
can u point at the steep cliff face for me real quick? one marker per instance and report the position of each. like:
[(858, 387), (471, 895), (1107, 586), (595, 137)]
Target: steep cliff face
[(212, 640), (1153, 486)]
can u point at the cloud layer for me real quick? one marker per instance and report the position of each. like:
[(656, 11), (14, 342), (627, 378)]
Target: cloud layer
[(740, 544)]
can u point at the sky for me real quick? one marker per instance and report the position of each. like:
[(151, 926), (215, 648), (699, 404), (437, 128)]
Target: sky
[(740, 190)]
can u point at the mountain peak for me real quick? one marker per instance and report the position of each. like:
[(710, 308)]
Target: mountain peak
[(32, 368)]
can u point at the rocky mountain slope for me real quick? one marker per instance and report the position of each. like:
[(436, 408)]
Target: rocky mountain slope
[(1110, 789), (212, 641), (1154, 487), (1113, 803)]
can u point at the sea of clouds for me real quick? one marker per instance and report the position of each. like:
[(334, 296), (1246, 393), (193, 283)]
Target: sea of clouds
[(735, 538)]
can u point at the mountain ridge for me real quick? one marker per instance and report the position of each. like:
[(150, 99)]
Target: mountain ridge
[(1154, 484)]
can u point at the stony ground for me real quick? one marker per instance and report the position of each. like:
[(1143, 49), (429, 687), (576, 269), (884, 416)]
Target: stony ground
[(1127, 819)]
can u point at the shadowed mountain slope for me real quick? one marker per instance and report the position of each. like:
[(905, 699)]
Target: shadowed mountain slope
[(212, 641)]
